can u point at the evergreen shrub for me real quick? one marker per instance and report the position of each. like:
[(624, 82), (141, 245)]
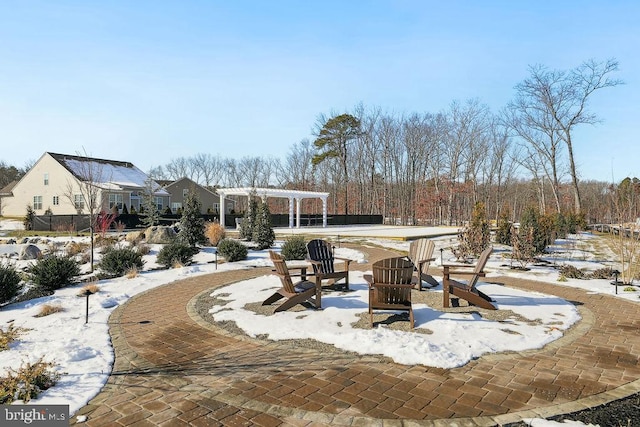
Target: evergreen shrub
[(9, 282), (53, 272), (232, 250), (263, 234), (294, 247), (176, 253), (117, 261)]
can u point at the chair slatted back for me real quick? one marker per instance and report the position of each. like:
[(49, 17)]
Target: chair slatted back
[(482, 262), (321, 251), (392, 271), (420, 250), (282, 271)]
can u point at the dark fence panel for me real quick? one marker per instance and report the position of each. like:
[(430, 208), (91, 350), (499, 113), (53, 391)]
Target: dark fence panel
[(132, 221), (61, 223)]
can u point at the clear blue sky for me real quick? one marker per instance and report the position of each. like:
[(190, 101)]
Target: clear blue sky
[(148, 81)]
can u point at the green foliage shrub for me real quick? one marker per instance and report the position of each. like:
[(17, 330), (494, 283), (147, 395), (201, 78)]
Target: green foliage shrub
[(176, 253), (503, 234), (294, 247), (117, 261), (9, 282), (53, 272), (232, 250)]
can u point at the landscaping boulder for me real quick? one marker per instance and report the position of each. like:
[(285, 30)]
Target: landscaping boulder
[(29, 252), (159, 234), (134, 236)]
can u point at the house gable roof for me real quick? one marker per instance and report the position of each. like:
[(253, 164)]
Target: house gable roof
[(7, 189), (190, 182), (107, 174)]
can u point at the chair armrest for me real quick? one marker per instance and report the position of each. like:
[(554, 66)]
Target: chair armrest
[(298, 274), (312, 261), (347, 260), (369, 279), (448, 272)]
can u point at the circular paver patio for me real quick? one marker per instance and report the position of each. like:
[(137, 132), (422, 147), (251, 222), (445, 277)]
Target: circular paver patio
[(173, 368)]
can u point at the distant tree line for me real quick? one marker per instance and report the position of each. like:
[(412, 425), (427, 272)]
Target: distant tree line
[(434, 167)]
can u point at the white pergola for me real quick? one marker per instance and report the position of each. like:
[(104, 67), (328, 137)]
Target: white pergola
[(276, 192)]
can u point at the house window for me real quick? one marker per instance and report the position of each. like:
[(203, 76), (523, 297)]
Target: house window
[(37, 203), (175, 206), (216, 207), (115, 200), (78, 201), (46, 179), (159, 204), (56, 200), (185, 192)]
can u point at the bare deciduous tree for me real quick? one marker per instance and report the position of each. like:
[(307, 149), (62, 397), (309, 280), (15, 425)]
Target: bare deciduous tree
[(561, 99)]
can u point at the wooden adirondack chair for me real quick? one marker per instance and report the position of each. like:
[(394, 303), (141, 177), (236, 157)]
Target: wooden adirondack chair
[(320, 255), (295, 293), (390, 286), (467, 291), (421, 254)]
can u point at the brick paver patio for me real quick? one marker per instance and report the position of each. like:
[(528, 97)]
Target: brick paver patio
[(173, 368)]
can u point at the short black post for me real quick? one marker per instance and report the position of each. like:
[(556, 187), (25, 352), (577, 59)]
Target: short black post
[(86, 316), (441, 250)]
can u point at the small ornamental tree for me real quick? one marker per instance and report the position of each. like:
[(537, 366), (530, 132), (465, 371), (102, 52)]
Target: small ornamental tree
[(535, 232), (28, 218), (149, 209), (191, 223), (475, 238), (263, 234), (524, 250), (503, 234)]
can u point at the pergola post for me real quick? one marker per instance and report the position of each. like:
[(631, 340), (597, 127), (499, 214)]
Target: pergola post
[(221, 195), (324, 212), (298, 203), (290, 212)]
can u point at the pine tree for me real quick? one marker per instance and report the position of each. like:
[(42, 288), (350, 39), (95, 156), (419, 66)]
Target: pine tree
[(249, 218), (149, 209), (191, 222), (29, 218), (263, 234)]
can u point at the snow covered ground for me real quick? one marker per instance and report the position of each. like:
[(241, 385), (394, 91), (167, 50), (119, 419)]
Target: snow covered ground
[(83, 353)]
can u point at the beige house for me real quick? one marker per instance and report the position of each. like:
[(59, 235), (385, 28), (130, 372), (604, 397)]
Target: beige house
[(58, 184), (209, 200)]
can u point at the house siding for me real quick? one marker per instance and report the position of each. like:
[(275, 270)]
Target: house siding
[(208, 199), (60, 179), (32, 184)]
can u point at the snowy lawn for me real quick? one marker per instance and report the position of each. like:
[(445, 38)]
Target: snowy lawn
[(83, 353)]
